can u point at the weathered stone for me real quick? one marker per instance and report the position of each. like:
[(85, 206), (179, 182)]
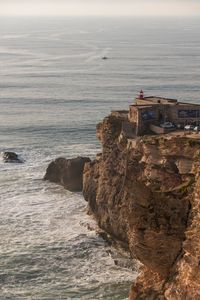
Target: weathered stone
[(184, 165), (11, 157), (67, 172)]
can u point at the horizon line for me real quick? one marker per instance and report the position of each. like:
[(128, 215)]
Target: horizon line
[(104, 16)]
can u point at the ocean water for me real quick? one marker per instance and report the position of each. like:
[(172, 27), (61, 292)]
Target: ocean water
[(54, 88)]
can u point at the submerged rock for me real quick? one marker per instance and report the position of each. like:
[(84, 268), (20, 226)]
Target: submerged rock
[(67, 172), (11, 157)]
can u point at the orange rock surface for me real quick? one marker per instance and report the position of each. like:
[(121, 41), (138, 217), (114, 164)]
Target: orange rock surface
[(146, 193)]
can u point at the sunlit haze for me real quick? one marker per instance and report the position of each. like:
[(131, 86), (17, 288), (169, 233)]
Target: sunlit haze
[(101, 7)]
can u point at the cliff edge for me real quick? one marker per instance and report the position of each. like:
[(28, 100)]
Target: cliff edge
[(145, 191)]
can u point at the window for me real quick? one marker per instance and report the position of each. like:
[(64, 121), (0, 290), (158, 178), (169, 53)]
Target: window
[(148, 115), (188, 113)]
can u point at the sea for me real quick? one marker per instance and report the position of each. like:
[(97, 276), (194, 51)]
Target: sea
[(54, 88)]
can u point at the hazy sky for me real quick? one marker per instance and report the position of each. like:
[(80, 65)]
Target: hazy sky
[(100, 7)]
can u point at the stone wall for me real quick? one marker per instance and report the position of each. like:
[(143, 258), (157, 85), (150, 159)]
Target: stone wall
[(174, 117)]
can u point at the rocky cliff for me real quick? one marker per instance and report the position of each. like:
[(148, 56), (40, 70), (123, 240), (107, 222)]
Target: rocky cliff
[(146, 193)]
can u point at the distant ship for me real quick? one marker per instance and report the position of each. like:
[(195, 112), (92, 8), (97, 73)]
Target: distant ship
[(104, 57)]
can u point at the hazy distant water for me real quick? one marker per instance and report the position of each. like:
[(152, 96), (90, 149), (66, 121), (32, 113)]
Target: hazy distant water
[(54, 88)]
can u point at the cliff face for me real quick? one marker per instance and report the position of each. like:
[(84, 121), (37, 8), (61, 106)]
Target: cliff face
[(145, 192)]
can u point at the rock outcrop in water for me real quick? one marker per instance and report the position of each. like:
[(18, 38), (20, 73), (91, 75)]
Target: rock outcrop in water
[(146, 192), (67, 172), (11, 157)]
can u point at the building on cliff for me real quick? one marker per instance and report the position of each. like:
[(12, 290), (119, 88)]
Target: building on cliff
[(152, 114)]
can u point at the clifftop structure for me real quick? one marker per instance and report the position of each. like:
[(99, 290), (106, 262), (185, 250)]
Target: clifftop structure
[(144, 191), (151, 114)]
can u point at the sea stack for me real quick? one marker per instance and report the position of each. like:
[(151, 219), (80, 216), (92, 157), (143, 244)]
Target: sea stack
[(67, 172)]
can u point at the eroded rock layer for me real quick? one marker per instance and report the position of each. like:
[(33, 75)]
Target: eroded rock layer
[(145, 192)]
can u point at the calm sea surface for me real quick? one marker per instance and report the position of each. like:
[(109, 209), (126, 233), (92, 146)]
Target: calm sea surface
[(54, 88)]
